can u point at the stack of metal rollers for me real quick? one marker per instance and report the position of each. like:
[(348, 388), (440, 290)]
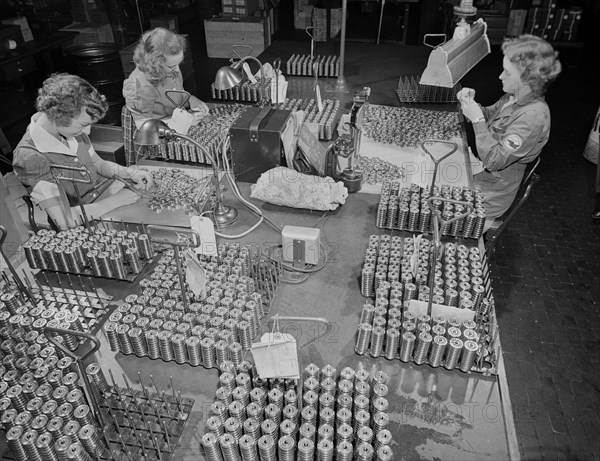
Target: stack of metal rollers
[(407, 208), (245, 91), (411, 91), (210, 133), (303, 65), (156, 324), (326, 119), (43, 408), (388, 329), (98, 251), (326, 416)]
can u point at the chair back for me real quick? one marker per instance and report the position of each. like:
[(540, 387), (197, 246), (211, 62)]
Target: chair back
[(499, 225)]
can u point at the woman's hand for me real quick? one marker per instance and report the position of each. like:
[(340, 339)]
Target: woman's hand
[(141, 178), (466, 95), (472, 110), (200, 111)]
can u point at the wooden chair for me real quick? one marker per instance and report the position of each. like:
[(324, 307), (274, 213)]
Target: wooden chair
[(499, 224)]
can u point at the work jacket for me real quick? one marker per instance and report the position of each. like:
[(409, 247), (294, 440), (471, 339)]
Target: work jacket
[(512, 137)]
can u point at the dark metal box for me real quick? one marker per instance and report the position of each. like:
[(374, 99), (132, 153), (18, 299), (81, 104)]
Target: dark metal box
[(256, 142)]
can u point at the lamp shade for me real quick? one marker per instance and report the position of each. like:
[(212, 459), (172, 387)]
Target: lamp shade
[(151, 133), (227, 77)]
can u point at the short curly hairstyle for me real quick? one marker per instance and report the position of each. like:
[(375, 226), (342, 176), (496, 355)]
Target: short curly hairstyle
[(62, 96), (151, 51), (536, 59)]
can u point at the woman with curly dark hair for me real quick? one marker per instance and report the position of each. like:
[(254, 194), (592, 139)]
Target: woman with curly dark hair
[(58, 135), (511, 133), (157, 57)]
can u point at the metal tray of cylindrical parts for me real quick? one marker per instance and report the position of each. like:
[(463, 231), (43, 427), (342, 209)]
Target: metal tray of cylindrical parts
[(390, 328), (411, 91), (105, 249)]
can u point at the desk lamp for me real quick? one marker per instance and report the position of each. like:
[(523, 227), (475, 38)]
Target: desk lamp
[(229, 76), (450, 61), (154, 132)]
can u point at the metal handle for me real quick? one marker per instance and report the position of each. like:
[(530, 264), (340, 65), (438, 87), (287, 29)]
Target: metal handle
[(191, 236), (233, 48), (57, 172), (81, 334), (434, 35), (438, 141), (437, 212), (79, 361), (185, 94)]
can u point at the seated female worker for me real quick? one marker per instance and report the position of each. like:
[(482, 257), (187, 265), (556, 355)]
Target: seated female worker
[(157, 57), (511, 133), (58, 135)]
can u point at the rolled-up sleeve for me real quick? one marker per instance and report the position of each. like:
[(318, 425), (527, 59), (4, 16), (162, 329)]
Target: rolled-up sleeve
[(139, 98), (33, 170), (519, 139)]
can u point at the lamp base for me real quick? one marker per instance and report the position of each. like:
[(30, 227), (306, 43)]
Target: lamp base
[(225, 215)]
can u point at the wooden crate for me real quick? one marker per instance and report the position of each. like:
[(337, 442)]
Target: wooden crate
[(90, 33), (222, 33)]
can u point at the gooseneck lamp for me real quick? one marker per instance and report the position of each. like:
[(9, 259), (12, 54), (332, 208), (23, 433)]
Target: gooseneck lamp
[(229, 76), (154, 132)]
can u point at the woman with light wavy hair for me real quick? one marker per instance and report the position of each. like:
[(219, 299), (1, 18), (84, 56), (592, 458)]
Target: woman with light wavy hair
[(57, 136), (157, 57), (511, 133)]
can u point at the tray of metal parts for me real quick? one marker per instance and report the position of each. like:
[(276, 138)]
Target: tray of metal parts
[(326, 119), (243, 92), (157, 323), (407, 208), (141, 424), (210, 133), (91, 307), (105, 250), (411, 91), (392, 279), (289, 417), (303, 65)]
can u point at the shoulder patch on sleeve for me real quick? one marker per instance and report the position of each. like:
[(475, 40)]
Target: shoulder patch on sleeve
[(513, 142)]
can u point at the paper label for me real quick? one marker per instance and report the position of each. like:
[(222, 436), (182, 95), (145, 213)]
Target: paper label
[(206, 230), (195, 275), (248, 72), (276, 356), (414, 259), (181, 121), (319, 100)]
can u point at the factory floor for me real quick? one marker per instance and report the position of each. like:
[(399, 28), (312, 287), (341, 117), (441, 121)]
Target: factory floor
[(546, 268)]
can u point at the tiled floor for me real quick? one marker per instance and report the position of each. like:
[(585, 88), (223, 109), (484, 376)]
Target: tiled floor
[(546, 269)]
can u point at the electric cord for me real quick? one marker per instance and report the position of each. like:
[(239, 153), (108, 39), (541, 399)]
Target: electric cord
[(253, 208), (311, 269)]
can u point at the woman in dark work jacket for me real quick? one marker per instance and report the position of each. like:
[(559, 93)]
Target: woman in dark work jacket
[(511, 133)]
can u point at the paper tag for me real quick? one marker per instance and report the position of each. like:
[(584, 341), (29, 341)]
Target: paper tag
[(251, 77), (319, 100), (206, 230), (195, 275), (181, 121), (276, 356), (414, 259)]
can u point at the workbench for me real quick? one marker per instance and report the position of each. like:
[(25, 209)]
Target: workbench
[(434, 413)]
